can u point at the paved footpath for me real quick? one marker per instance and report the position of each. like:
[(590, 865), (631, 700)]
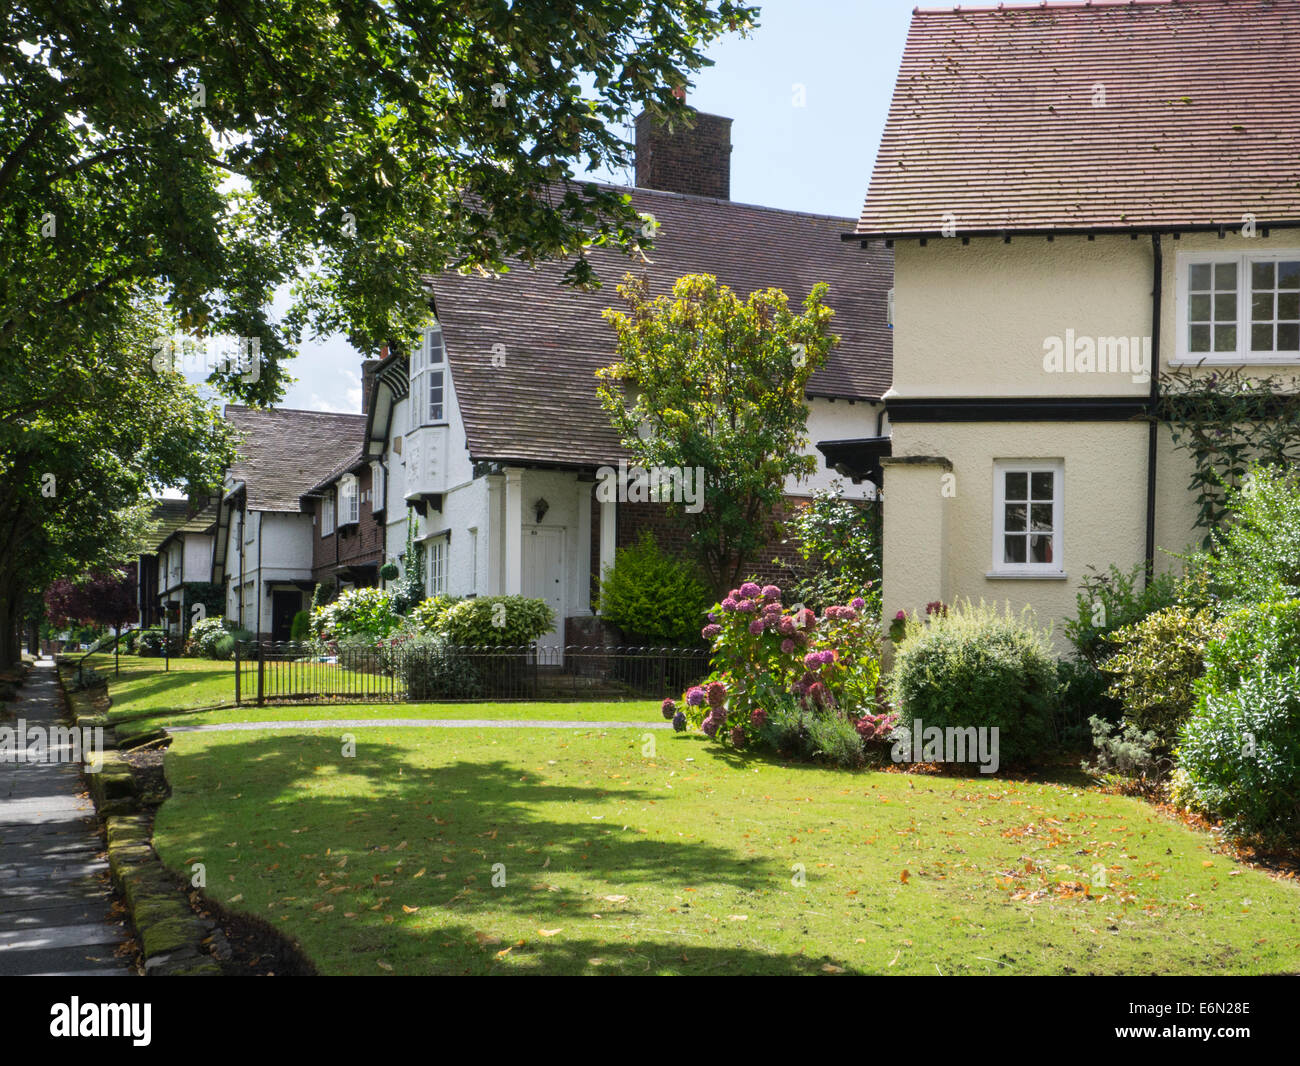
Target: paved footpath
[(54, 897), (434, 723)]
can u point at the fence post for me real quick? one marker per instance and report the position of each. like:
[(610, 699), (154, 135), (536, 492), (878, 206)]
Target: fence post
[(261, 669), (237, 643)]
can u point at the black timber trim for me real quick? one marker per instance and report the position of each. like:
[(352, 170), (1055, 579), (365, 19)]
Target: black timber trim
[(1020, 409)]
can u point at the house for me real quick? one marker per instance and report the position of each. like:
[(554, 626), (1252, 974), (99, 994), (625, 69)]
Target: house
[(490, 431), (1078, 197), (264, 531), (178, 558)]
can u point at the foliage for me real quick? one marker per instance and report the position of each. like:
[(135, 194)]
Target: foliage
[(1109, 602), (973, 666), (211, 595), (654, 595), (503, 621), (1264, 636), (300, 627), (408, 590), (325, 592), (1230, 420), (1241, 750), (427, 615), (1254, 555), (154, 642), (1126, 757), (775, 670), (1155, 668), (106, 598), (214, 638), (1082, 693), (364, 612), (719, 383), (390, 571), (432, 670), (839, 543)]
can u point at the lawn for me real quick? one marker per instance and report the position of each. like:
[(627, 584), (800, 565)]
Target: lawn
[(689, 859)]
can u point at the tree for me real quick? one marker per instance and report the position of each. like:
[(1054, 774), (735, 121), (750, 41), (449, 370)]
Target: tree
[(106, 598), (707, 381)]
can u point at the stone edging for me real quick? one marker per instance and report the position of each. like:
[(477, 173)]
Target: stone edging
[(171, 935)]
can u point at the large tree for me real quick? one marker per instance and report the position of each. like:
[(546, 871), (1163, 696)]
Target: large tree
[(194, 156), (708, 380)]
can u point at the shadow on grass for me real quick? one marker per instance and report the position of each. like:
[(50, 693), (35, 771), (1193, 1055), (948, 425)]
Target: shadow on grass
[(458, 820)]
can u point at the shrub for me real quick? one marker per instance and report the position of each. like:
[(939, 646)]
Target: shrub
[(1111, 601), (432, 670), (838, 542), (366, 612), (501, 621), (208, 638), (774, 671), (1255, 558), (654, 595), (1241, 750), (1156, 667), (1129, 755), (1264, 637), (427, 615), (974, 666), (300, 627), (151, 642), (1082, 693)]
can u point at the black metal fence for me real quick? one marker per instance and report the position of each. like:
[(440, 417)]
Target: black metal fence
[(418, 671)]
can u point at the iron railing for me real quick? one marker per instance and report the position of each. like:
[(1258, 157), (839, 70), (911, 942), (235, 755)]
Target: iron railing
[(418, 671)]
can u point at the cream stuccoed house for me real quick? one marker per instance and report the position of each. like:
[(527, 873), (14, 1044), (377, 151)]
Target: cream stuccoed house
[(489, 430), (1078, 198)]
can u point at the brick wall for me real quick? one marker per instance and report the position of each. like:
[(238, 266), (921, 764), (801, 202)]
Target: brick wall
[(352, 545), (694, 161)]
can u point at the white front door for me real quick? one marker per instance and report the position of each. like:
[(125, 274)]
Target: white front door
[(544, 580)]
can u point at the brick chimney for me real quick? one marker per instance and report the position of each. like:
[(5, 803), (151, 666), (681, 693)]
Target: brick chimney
[(695, 161), (368, 368)]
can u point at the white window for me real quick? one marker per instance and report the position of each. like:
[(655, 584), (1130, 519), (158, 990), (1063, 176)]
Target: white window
[(1238, 307), (349, 501), (378, 486), (327, 515), (438, 566), (1028, 517), (428, 379)]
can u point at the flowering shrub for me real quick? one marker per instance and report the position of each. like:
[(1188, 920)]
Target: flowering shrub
[(366, 612), (769, 661)]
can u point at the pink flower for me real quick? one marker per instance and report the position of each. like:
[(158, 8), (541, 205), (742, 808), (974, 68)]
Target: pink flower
[(738, 736), (710, 631), (747, 607), (901, 616), (750, 590), (710, 726), (787, 645), (786, 626), (758, 716), (857, 603), (669, 708), (717, 693), (771, 592), (729, 604), (757, 626), (695, 696)]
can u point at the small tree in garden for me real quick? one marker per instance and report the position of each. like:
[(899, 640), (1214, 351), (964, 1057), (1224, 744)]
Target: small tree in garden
[(839, 543), (654, 596), (707, 380), (409, 588), (104, 598)]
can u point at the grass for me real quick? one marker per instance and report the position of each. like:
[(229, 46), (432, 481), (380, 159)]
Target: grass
[(689, 859)]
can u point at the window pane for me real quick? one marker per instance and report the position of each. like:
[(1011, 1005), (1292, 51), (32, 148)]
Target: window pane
[(1199, 308), (1261, 337), (1225, 338), (1042, 485), (1200, 276), (1040, 549), (1018, 486), (1199, 340), (1040, 516), (1288, 338), (1014, 518), (1261, 275), (1288, 275), (1225, 276), (1261, 307), (1225, 307), (1014, 550), (1288, 305)]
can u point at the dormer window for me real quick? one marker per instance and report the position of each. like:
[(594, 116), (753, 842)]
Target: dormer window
[(349, 501), (428, 379)]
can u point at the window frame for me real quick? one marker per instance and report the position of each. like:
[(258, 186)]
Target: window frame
[(1001, 568), (429, 373), (327, 523), (1242, 356), (436, 575), (349, 500)]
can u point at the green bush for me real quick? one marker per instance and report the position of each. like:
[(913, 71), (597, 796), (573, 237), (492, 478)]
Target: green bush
[(1082, 694), (151, 642), (427, 615), (501, 621), (433, 671), (1255, 558), (654, 596), (1111, 601), (838, 542), (1241, 750), (792, 730), (1253, 639), (1127, 754), (366, 612), (975, 666), (300, 627), (1155, 668)]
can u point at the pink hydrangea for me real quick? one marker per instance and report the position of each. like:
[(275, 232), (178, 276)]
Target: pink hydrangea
[(716, 693), (729, 604), (819, 694), (710, 631), (749, 590), (771, 592), (738, 736), (786, 626), (857, 603), (747, 607), (710, 726), (756, 627), (787, 645), (758, 717), (696, 696), (669, 708)]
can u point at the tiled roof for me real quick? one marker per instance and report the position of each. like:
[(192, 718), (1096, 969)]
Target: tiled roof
[(1092, 116), (284, 452), (541, 406), (172, 516)]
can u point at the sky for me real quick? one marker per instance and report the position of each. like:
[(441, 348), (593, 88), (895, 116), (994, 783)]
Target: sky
[(808, 92)]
